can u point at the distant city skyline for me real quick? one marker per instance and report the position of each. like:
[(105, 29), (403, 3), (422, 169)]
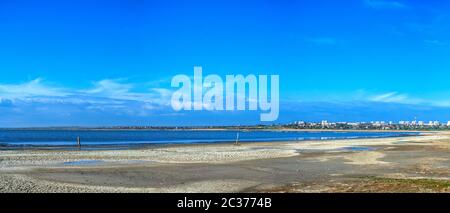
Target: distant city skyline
[(109, 62), (401, 122)]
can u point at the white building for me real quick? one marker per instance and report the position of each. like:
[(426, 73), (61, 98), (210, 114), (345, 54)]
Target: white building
[(434, 123), (300, 123)]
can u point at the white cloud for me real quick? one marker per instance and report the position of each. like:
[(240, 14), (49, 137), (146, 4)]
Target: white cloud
[(384, 4), (118, 90), (108, 94), (33, 88), (395, 97), (115, 89), (322, 41), (436, 42), (109, 87), (436, 99), (390, 97)]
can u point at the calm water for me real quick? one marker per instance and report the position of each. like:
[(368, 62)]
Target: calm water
[(129, 138)]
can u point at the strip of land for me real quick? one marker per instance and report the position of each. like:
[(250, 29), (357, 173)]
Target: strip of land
[(402, 164)]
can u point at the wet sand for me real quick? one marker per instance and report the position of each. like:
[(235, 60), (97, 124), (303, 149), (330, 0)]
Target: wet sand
[(403, 164)]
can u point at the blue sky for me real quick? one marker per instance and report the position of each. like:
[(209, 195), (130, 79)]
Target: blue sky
[(94, 63)]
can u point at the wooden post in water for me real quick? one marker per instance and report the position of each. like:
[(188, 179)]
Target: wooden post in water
[(237, 138), (79, 142)]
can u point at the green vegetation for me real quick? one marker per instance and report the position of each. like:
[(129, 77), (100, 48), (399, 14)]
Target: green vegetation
[(433, 184)]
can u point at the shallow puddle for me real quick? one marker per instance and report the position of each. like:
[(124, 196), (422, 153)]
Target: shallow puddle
[(83, 162), (359, 148)]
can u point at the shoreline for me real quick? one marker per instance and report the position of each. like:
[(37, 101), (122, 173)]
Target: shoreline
[(132, 146), (214, 129), (307, 166)]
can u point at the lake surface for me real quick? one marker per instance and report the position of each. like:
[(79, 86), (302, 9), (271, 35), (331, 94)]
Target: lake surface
[(111, 138)]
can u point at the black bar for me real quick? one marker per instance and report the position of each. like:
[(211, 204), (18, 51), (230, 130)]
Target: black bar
[(130, 202)]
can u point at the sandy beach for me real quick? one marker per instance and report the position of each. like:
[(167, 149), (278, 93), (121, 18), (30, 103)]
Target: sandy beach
[(401, 164)]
